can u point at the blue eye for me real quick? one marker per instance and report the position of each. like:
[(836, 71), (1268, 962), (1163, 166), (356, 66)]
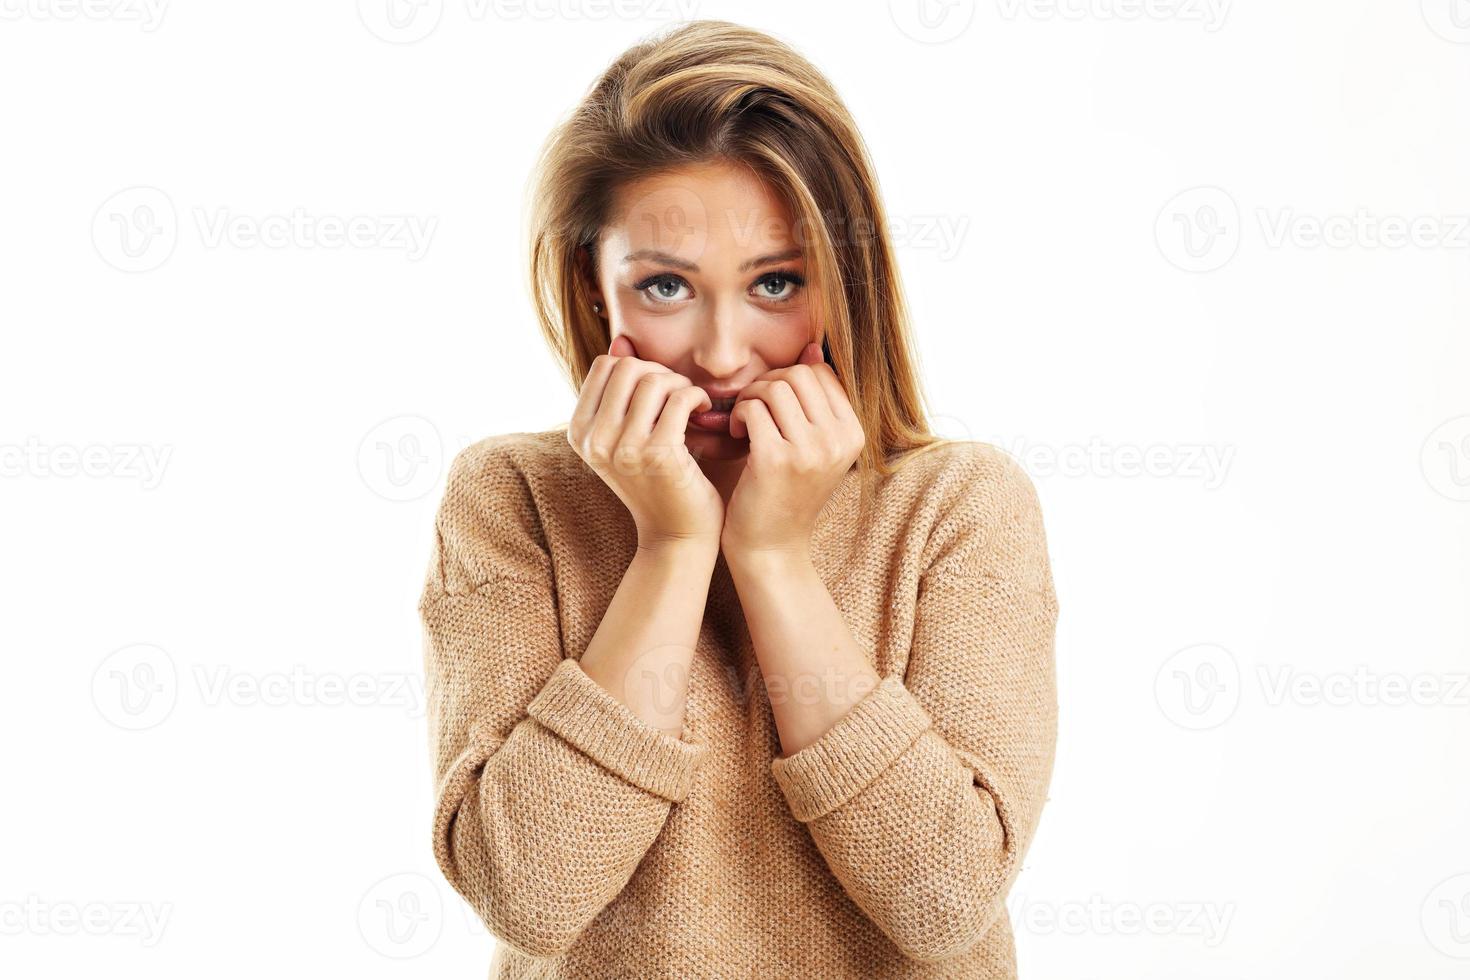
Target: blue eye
[(782, 276), (666, 285), (658, 280)]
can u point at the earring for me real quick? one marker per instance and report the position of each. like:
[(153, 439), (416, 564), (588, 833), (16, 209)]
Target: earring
[(596, 307)]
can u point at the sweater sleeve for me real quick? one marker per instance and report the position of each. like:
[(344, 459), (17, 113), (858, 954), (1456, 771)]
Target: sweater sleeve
[(923, 797), (548, 790)]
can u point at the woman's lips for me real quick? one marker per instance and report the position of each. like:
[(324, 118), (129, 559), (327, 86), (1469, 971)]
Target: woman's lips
[(711, 421)]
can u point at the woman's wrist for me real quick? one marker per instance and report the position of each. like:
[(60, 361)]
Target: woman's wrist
[(681, 550), (767, 561)]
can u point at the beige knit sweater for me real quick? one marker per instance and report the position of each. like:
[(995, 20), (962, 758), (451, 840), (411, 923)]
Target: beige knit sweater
[(594, 845)]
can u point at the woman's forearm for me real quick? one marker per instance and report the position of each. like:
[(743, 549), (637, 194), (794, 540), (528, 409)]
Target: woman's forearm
[(813, 668), (643, 647)]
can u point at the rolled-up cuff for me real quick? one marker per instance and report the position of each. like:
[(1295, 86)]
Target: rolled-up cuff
[(853, 752), (583, 712)]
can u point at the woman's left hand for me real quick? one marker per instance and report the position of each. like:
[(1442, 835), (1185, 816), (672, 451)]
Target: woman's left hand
[(804, 437)]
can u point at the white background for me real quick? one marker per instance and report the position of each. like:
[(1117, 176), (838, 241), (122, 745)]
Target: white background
[(1154, 233)]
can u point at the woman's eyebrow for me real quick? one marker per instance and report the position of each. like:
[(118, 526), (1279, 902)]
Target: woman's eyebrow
[(678, 263)]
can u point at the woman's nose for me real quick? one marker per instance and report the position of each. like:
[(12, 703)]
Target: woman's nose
[(720, 349)]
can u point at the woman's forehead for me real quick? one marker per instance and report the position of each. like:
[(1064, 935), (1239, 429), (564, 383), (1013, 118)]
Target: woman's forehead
[(691, 211)]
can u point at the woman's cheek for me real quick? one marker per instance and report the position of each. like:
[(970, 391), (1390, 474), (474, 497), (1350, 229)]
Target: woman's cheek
[(658, 349), (789, 350), (794, 333), (652, 344)]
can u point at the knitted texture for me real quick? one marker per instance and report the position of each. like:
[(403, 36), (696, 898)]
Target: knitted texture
[(592, 844)]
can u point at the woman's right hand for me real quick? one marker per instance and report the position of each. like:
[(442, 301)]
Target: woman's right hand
[(629, 427)]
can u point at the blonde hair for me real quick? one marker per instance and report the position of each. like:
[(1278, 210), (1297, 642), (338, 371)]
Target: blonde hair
[(714, 91)]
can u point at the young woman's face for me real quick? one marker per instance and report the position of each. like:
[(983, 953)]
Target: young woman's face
[(701, 270)]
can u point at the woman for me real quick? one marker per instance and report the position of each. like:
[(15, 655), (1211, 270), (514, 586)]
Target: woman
[(742, 672)]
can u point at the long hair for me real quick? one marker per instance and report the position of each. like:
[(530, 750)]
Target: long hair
[(714, 91)]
